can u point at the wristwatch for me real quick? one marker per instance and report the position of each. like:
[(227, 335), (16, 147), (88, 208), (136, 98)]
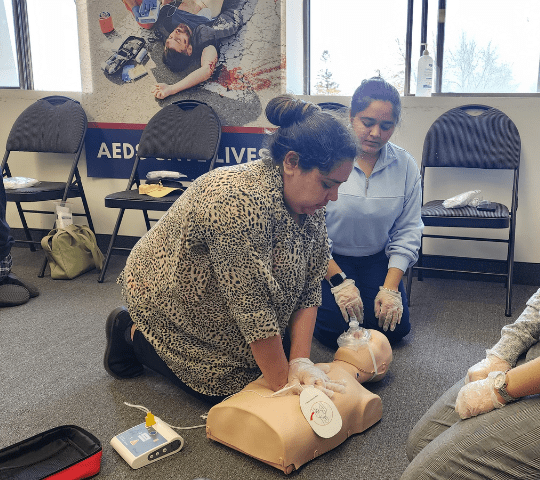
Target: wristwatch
[(337, 279), (500, 385)]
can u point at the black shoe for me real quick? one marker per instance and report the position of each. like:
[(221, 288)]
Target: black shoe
[(120, 360), (12, 279), (13, 295)]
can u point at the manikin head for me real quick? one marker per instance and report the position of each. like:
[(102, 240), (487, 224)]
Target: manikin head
[(370, 360)]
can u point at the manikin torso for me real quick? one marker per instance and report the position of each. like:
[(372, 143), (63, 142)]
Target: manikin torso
[(274, 430)]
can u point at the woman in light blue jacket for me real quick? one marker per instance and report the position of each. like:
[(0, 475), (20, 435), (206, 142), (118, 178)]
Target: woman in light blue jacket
[(375, 226)]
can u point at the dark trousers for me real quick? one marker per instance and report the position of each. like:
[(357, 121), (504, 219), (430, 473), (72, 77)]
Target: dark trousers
[(368, 274), (146, 355)]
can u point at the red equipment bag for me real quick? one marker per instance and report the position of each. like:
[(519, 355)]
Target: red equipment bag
[(67, 452)]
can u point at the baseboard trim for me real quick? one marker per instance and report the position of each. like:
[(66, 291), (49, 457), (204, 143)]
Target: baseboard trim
[(524, 273), (122, 241)]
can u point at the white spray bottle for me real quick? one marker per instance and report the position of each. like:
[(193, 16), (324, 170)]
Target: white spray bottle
[(424, 79)]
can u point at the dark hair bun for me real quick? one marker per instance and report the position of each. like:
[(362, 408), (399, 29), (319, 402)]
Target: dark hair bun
[(285, 110)]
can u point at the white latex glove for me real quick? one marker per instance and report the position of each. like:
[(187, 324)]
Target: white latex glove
[(302, 371), (348, 298), (477, 397), (491, 363), (388, 308)]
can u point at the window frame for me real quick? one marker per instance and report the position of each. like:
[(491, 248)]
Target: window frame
[(439, 57), (22, 46)]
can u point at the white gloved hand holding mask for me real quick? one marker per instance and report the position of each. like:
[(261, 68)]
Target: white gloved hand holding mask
[(388, 308), (348, 298)]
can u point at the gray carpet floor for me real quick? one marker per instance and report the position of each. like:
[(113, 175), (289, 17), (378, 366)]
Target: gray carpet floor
[(51, 374)]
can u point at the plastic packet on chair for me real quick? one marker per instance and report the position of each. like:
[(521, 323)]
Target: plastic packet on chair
[(471, 198), (11, 183)]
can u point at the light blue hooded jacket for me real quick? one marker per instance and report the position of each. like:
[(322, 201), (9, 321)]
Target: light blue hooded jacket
[(379, 212)]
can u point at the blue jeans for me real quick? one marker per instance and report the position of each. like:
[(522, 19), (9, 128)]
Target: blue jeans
[(368, 274)]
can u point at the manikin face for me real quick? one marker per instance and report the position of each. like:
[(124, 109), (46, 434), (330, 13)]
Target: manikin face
[(179, 40), (374, 126), (307, 192)]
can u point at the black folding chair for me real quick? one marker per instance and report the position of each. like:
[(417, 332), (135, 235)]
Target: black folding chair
[(56, 125), (186, 129), (461, 139)]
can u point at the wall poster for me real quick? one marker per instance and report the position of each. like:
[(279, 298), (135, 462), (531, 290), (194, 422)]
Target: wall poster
[(146, 54)]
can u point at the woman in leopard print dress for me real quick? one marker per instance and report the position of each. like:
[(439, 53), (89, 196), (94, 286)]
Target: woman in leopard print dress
[(234, 263)]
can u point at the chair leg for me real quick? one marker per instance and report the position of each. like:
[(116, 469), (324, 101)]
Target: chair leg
[(508, 285), (510, 267), (87, 210), (146, 219), (420, 275), (111, 246), (409, 284), (43, 268), (25, 227)]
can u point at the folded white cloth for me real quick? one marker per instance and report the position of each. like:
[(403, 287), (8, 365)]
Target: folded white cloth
[(463, 199), (11, 183), (164, 174)]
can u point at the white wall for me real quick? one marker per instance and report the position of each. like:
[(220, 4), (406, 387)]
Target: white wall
[(418, 114)]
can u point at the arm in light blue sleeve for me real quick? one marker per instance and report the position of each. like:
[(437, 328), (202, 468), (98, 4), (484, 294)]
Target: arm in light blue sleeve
[(406, 233)]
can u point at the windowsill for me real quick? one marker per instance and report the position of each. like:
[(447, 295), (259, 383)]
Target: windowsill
[(501, 95), (17, 93)]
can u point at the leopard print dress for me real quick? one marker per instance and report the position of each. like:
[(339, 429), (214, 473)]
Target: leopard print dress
[(225, 266)]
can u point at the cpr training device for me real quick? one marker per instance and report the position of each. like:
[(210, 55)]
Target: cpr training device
[(148, 442)]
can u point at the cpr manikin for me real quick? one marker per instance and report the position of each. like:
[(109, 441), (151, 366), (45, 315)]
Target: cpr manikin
[(273, 429)]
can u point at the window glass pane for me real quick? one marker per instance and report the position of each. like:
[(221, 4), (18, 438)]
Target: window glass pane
[(54, 45), (352, 40), (491, 46), (9, 72), (295, 47), (431, 39)]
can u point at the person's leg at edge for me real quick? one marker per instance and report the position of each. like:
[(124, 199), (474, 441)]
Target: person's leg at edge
[(13, 291), (503, 443), (6, 240), (439, 417)]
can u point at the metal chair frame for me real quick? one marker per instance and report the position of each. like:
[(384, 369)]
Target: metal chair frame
[(41, 130), (151, 146), (489, 141)]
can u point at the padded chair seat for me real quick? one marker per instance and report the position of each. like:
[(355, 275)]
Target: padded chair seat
[(41, 192), (133, 200), (435, 215)]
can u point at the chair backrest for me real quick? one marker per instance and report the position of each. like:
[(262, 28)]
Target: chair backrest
[(54, 124), (457, 138), (187, 129), (332, 106)]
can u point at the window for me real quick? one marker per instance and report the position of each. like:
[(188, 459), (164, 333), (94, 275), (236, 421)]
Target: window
[(479, 46), (39, 46)]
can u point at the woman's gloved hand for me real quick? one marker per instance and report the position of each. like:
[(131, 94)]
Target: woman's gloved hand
[(478, 397), (302, 371), (348, 298), (388, 308), (491, 363)]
